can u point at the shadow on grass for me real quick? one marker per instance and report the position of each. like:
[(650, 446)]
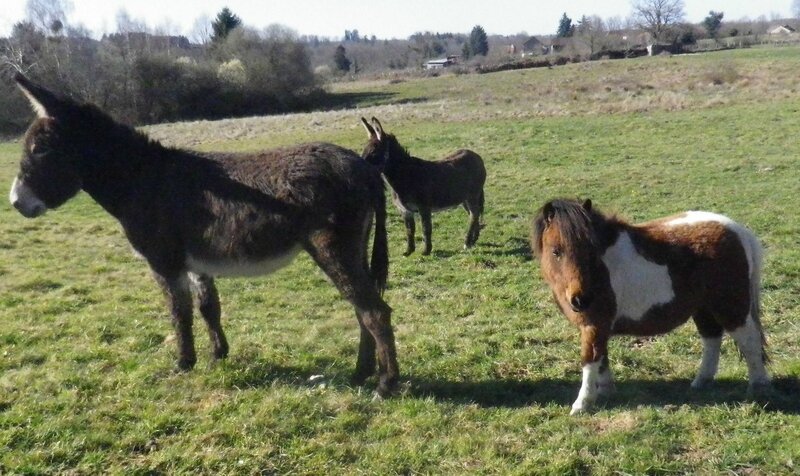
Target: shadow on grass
[(629, 394), (512, 247)]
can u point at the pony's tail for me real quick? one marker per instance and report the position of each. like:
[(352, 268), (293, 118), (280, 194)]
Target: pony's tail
[(757, 254), (379, 263)]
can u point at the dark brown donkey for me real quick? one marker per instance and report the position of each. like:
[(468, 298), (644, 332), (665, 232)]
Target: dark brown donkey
[(423, 187), (194, 216)]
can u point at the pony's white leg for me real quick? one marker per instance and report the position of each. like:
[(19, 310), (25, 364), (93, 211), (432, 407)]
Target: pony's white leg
[(588, 393), (748, 340), (709, 363), (605, 378)]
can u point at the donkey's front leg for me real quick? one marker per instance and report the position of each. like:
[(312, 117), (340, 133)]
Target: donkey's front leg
[(594, 351), (408, 219), (179, 300), (207, 298), (425, 217)]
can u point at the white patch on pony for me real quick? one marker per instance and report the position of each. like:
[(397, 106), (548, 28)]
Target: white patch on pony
[(748, 340), (709, 363), (241, 268), (588, 392), (24, 199), (638, 284)]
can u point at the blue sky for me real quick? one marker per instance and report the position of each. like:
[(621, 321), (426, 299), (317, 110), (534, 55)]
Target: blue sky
[(383, 18)]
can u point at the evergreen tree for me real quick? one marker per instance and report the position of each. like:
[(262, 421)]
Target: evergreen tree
[(565, 27), (465, 51), (223, 24), (478, 41), (712, 23), (340, 59)]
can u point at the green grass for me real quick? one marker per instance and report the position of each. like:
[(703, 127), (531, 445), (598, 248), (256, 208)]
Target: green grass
[(489, 365)]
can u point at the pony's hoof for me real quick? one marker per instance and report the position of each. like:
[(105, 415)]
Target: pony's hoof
[(606, 389), (578, 411)]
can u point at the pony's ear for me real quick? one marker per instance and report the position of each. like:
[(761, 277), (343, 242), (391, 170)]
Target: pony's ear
[(378, 127), (369, 128), (43, 102), (548, 212), (587, 204)]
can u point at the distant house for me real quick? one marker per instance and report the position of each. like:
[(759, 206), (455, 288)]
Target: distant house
[(533, 46), (782, 30), (442, 62), (558, 45)]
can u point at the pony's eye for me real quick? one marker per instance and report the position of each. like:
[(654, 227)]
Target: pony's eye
[(557, 251)]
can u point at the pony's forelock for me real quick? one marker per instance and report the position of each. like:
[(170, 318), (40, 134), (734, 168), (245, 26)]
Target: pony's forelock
[(575, 224)]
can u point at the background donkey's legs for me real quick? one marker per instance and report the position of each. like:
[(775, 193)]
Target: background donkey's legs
[(205, 293), (341, 259), (179, 301), (427, 227), (473, 206), (408, 219)]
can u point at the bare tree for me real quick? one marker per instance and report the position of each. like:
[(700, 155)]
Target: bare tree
[(49, 16), (657, 16), (592, 31), (201, 30)]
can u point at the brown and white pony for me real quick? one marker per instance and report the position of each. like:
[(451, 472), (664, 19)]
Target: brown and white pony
[(194, 216), (610, 277), (420, 186)]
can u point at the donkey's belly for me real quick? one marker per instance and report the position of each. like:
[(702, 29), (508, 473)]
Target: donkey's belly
[(234, 267)]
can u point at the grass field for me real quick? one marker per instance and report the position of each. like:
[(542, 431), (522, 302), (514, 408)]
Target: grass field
[(489, 367)]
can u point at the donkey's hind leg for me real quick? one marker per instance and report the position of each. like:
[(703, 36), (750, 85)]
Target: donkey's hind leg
[(408, 219), (711, 334), (207, 298), (427, 229), (179, 301), (343, 262), (473, 207)]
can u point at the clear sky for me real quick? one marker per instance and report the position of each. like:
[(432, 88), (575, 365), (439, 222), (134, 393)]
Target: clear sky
[(382, 18)]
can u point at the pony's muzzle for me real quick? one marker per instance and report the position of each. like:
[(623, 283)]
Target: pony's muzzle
[(580, 302)]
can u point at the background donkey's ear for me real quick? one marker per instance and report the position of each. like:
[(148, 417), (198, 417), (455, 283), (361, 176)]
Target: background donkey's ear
[(369, 128), (43, 102), (587, 204), (378, 127)]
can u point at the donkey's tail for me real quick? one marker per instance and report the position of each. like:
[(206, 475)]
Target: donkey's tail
[(379, 265)]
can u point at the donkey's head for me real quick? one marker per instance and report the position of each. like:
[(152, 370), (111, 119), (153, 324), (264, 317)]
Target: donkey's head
[(382, 148), (49, 169), (565, 240)]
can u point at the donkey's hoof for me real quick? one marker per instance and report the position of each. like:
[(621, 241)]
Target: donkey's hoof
[(185, 365), (426, 252), (407, 253), (359, 377), (701, 383), (759, 389)]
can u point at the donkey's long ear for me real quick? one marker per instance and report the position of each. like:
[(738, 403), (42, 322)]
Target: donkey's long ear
[(369, 128), (587, 204), (43, 102), (378, 127)]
